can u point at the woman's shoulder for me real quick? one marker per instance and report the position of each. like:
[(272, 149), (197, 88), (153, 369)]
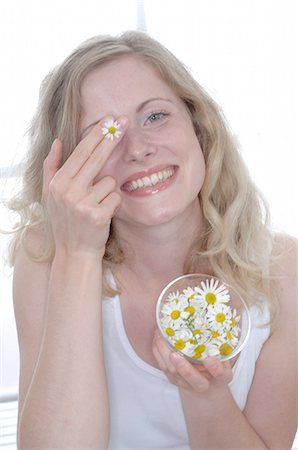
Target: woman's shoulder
[(284, 275), (284, 257)]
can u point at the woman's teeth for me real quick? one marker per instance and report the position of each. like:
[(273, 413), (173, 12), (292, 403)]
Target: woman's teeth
[(151, 180)]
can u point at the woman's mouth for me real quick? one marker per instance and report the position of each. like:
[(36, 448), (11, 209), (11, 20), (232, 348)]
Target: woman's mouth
[(156, 180)]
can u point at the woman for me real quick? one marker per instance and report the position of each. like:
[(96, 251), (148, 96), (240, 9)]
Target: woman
[(131, 180)]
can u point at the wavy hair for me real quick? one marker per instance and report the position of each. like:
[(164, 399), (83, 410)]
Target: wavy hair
[(236, 239)]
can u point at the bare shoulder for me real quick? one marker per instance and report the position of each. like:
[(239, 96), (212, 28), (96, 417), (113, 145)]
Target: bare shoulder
[(30, 283), (284, 275), (285, 250), (272, 401)]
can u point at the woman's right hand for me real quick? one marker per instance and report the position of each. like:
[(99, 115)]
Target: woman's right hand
[(80, 209)]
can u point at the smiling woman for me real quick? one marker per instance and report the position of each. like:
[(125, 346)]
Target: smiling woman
[(132, 179)]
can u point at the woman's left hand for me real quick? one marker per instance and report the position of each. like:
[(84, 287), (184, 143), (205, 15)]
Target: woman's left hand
[(197, 378)]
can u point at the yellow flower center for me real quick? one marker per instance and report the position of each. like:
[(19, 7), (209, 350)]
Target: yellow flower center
[(191, 297), (180, 344), (175, 314), (196, 331), (210, 298), (197, 355), (214, 334), (192, 341), (170, 331), (220, 317), (112, 129), (229, 335), (233, 321), (190, 310), (225, 349), (200, 348)]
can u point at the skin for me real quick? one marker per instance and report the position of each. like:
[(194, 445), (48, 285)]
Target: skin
[(82, 197)]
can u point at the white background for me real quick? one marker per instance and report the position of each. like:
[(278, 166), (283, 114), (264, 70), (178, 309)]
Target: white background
[(244, 52)]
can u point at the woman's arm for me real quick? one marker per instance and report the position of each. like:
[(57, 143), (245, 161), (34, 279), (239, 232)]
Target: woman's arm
[(66, 403), (269, 420)]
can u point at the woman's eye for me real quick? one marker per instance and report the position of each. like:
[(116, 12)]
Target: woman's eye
[(155, 117)]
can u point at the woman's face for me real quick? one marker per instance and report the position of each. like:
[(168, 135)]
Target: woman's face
[(158, 165)]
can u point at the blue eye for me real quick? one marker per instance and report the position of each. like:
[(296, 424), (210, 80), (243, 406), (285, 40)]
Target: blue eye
[(156, 116)]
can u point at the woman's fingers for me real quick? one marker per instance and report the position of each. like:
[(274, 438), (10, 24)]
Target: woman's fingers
[(189, 373), (166, 366), (181, 372), (90, 155), (51, 165), (100, 190), (220, 371)]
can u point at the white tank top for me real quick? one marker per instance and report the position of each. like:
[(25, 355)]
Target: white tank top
[(145, 408)]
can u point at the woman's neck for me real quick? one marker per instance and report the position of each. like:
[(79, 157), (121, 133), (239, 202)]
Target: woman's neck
[(159, 252)]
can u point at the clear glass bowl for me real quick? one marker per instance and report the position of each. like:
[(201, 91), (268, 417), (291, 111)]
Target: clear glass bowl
[(200, 316)]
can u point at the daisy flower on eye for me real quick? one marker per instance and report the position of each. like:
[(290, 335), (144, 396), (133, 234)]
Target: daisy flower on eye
[(111, 129), (209, 293)]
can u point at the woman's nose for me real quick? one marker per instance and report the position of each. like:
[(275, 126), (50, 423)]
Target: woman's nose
[(137, 147)]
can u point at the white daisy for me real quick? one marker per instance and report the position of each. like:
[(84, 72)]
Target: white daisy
[(200, 351), (235, 320), (184, 333), (189, 293), (231, 338), (218, 317), (174, 296), (210, 294), (173, 313), (111, 129)]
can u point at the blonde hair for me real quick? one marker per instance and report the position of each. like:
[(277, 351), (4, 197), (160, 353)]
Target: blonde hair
[(236, 240)]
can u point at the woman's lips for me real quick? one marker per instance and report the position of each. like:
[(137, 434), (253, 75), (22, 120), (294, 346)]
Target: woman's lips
[(153, 181)]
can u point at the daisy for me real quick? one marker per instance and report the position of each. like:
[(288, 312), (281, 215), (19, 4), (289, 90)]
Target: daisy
[(231, 338), (174, 296), (200, 352), (111, 129), (235, 322), (218, 317), (185, 334), (210, 294), (189, 293), (173, 313), (186, 347)]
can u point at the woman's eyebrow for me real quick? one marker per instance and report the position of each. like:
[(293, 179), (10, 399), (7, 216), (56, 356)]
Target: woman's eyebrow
[(143, 104)]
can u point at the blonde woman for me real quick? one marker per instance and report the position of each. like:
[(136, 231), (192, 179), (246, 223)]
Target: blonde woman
[(131, 180)]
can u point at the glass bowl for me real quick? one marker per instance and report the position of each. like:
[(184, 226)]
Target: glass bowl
[(200, 316)]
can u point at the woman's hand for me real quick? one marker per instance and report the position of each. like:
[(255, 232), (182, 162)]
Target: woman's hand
[(81, 209), (196, 378)]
